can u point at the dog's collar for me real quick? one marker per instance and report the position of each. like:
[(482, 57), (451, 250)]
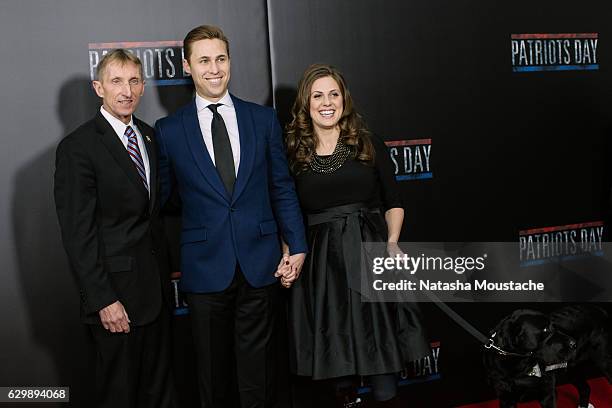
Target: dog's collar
[(491, 345), (556, 366), (536, 371)]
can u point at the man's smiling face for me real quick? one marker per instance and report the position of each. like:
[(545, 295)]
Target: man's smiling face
[(120, 88), (209, 65)]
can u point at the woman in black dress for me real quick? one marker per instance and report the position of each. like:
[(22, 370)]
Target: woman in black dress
[(346, 187)]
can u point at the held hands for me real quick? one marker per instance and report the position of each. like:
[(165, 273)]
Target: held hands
[(114, 318), (289, 268), (284, 268)]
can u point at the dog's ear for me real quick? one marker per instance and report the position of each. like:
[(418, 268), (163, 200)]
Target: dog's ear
[(518, 336), (503, 332), (527, 338), (511, 333), (522, 332), (532, 330)]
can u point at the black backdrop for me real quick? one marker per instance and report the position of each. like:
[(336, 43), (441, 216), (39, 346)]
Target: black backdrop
[(510, 151)]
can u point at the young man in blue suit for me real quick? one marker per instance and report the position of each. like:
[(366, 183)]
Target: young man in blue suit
[(226, 159)]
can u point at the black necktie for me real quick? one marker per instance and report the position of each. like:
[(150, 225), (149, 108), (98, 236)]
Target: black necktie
[(224, 158)]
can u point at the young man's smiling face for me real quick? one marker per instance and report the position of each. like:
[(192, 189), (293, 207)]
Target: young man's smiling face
[(209, 66)]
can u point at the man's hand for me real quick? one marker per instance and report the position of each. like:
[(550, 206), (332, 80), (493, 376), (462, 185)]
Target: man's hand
[(114, 318), (284, 268)]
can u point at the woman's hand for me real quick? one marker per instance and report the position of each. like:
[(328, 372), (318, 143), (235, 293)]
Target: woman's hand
[(394, 250), (284, 268)]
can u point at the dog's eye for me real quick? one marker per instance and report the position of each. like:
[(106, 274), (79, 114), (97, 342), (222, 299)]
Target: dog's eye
[(545, 329)]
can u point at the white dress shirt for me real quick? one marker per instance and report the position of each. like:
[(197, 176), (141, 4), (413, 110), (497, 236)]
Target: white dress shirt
[(119, 128), (228, 113)]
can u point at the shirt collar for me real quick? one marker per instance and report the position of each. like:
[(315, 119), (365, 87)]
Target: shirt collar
[(202, 103), (118, 126)]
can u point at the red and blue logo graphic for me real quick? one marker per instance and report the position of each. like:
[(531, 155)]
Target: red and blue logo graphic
[(560, 243), (411, 158), (162, 61), (554, 52), (419, 371)]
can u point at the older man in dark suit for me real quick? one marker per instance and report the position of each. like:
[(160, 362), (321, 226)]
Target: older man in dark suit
[(106, 195)]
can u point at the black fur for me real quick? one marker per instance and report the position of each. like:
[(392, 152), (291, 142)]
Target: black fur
[(577, 334)]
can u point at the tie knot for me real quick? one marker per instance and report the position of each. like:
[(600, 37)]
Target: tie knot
[(213, 107), (129, 132)]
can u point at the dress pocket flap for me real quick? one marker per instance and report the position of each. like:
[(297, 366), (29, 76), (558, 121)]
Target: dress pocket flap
[(268, 227), (193, 235)]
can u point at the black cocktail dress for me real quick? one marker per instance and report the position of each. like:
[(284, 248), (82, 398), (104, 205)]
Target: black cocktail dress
[(332, 332)]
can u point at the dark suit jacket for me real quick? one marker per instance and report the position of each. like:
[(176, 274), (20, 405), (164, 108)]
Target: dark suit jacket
[(219, 230), (110, 227)]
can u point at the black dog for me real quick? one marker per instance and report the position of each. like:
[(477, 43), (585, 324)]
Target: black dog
[(529, 350)]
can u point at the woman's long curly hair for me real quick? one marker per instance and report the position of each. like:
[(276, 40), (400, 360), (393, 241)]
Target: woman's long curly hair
[(301, 139)]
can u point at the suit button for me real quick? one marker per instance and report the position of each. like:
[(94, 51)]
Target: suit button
[(232, 209)]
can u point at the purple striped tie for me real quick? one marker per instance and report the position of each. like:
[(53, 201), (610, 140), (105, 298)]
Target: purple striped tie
[(134, 152)]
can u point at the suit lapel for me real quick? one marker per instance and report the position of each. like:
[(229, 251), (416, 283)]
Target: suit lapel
[(152, 155), (119, 153), (246, 132), (198, 149)]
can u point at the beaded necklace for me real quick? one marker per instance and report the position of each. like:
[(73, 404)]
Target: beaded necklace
[(331, 163)]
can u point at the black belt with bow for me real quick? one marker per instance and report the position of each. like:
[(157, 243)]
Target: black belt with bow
[(354, 216)]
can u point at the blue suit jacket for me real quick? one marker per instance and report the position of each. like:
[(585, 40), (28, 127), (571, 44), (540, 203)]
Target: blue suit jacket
[(219, 230)]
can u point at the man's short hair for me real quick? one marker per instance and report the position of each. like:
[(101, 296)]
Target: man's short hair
[(121, 56), (203, 32)]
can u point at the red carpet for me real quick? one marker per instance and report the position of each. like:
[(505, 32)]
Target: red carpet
[(567, 397)]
